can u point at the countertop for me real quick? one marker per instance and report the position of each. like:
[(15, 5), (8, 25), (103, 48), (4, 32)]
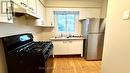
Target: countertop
[(65, 38)]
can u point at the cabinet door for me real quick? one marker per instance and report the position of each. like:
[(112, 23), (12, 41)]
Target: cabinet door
[(41, 14), (17, 2), (50, 17), (75, 46), (6, 11), (44, 15), (22, 3), (32, 6), (61, 47)]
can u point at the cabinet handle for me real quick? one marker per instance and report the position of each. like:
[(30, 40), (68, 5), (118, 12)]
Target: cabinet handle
[(31, 8), (42, 22), (23, 4), (70, 41), (7, 12), (64, 42), (51, 23), (12, 9)]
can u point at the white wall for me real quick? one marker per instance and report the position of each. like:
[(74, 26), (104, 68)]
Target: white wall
[(47, 33), (20, 25), (116, 57)]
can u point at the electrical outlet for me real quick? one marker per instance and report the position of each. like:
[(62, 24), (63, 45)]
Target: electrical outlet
[(126, 15)]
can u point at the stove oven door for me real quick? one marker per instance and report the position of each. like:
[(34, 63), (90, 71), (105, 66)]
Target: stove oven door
[(20, 63)]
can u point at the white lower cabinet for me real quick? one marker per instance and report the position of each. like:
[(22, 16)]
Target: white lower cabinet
[(68, 47)]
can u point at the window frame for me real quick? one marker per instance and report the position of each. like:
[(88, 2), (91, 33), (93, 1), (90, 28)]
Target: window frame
[(66, 32)]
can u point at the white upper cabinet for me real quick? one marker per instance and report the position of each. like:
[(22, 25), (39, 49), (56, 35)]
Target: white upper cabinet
[(7, 8), (32, 6), (29, 5), (41, 14), (50, 17), (6, 11), (46, 16)]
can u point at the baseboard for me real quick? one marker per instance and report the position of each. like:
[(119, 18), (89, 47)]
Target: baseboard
[(93, 59), (67, 56)]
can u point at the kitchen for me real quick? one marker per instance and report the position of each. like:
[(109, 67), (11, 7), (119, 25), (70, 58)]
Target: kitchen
[(48, 20), (41, 17)]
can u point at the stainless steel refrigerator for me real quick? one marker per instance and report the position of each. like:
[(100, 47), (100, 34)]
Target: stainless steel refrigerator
[(93, 32)]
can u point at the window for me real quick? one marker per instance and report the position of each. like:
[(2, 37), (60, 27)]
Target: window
[(66, 21)]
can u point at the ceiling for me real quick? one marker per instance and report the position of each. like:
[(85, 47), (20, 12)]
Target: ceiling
[(78, 0)]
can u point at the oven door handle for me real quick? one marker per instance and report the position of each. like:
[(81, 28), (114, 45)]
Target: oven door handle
[(46, 57)]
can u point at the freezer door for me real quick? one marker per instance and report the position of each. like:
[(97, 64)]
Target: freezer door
[(84, 28), (93, 26)]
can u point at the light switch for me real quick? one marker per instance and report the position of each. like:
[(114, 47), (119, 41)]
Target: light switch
[(126, 14)]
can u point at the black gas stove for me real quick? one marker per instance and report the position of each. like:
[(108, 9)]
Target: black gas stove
[(23, 55)]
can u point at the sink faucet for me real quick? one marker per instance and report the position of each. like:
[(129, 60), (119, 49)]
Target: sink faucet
[(70, 35), (61, 35)]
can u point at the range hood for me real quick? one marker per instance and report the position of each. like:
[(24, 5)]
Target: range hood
[(20, 11)]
